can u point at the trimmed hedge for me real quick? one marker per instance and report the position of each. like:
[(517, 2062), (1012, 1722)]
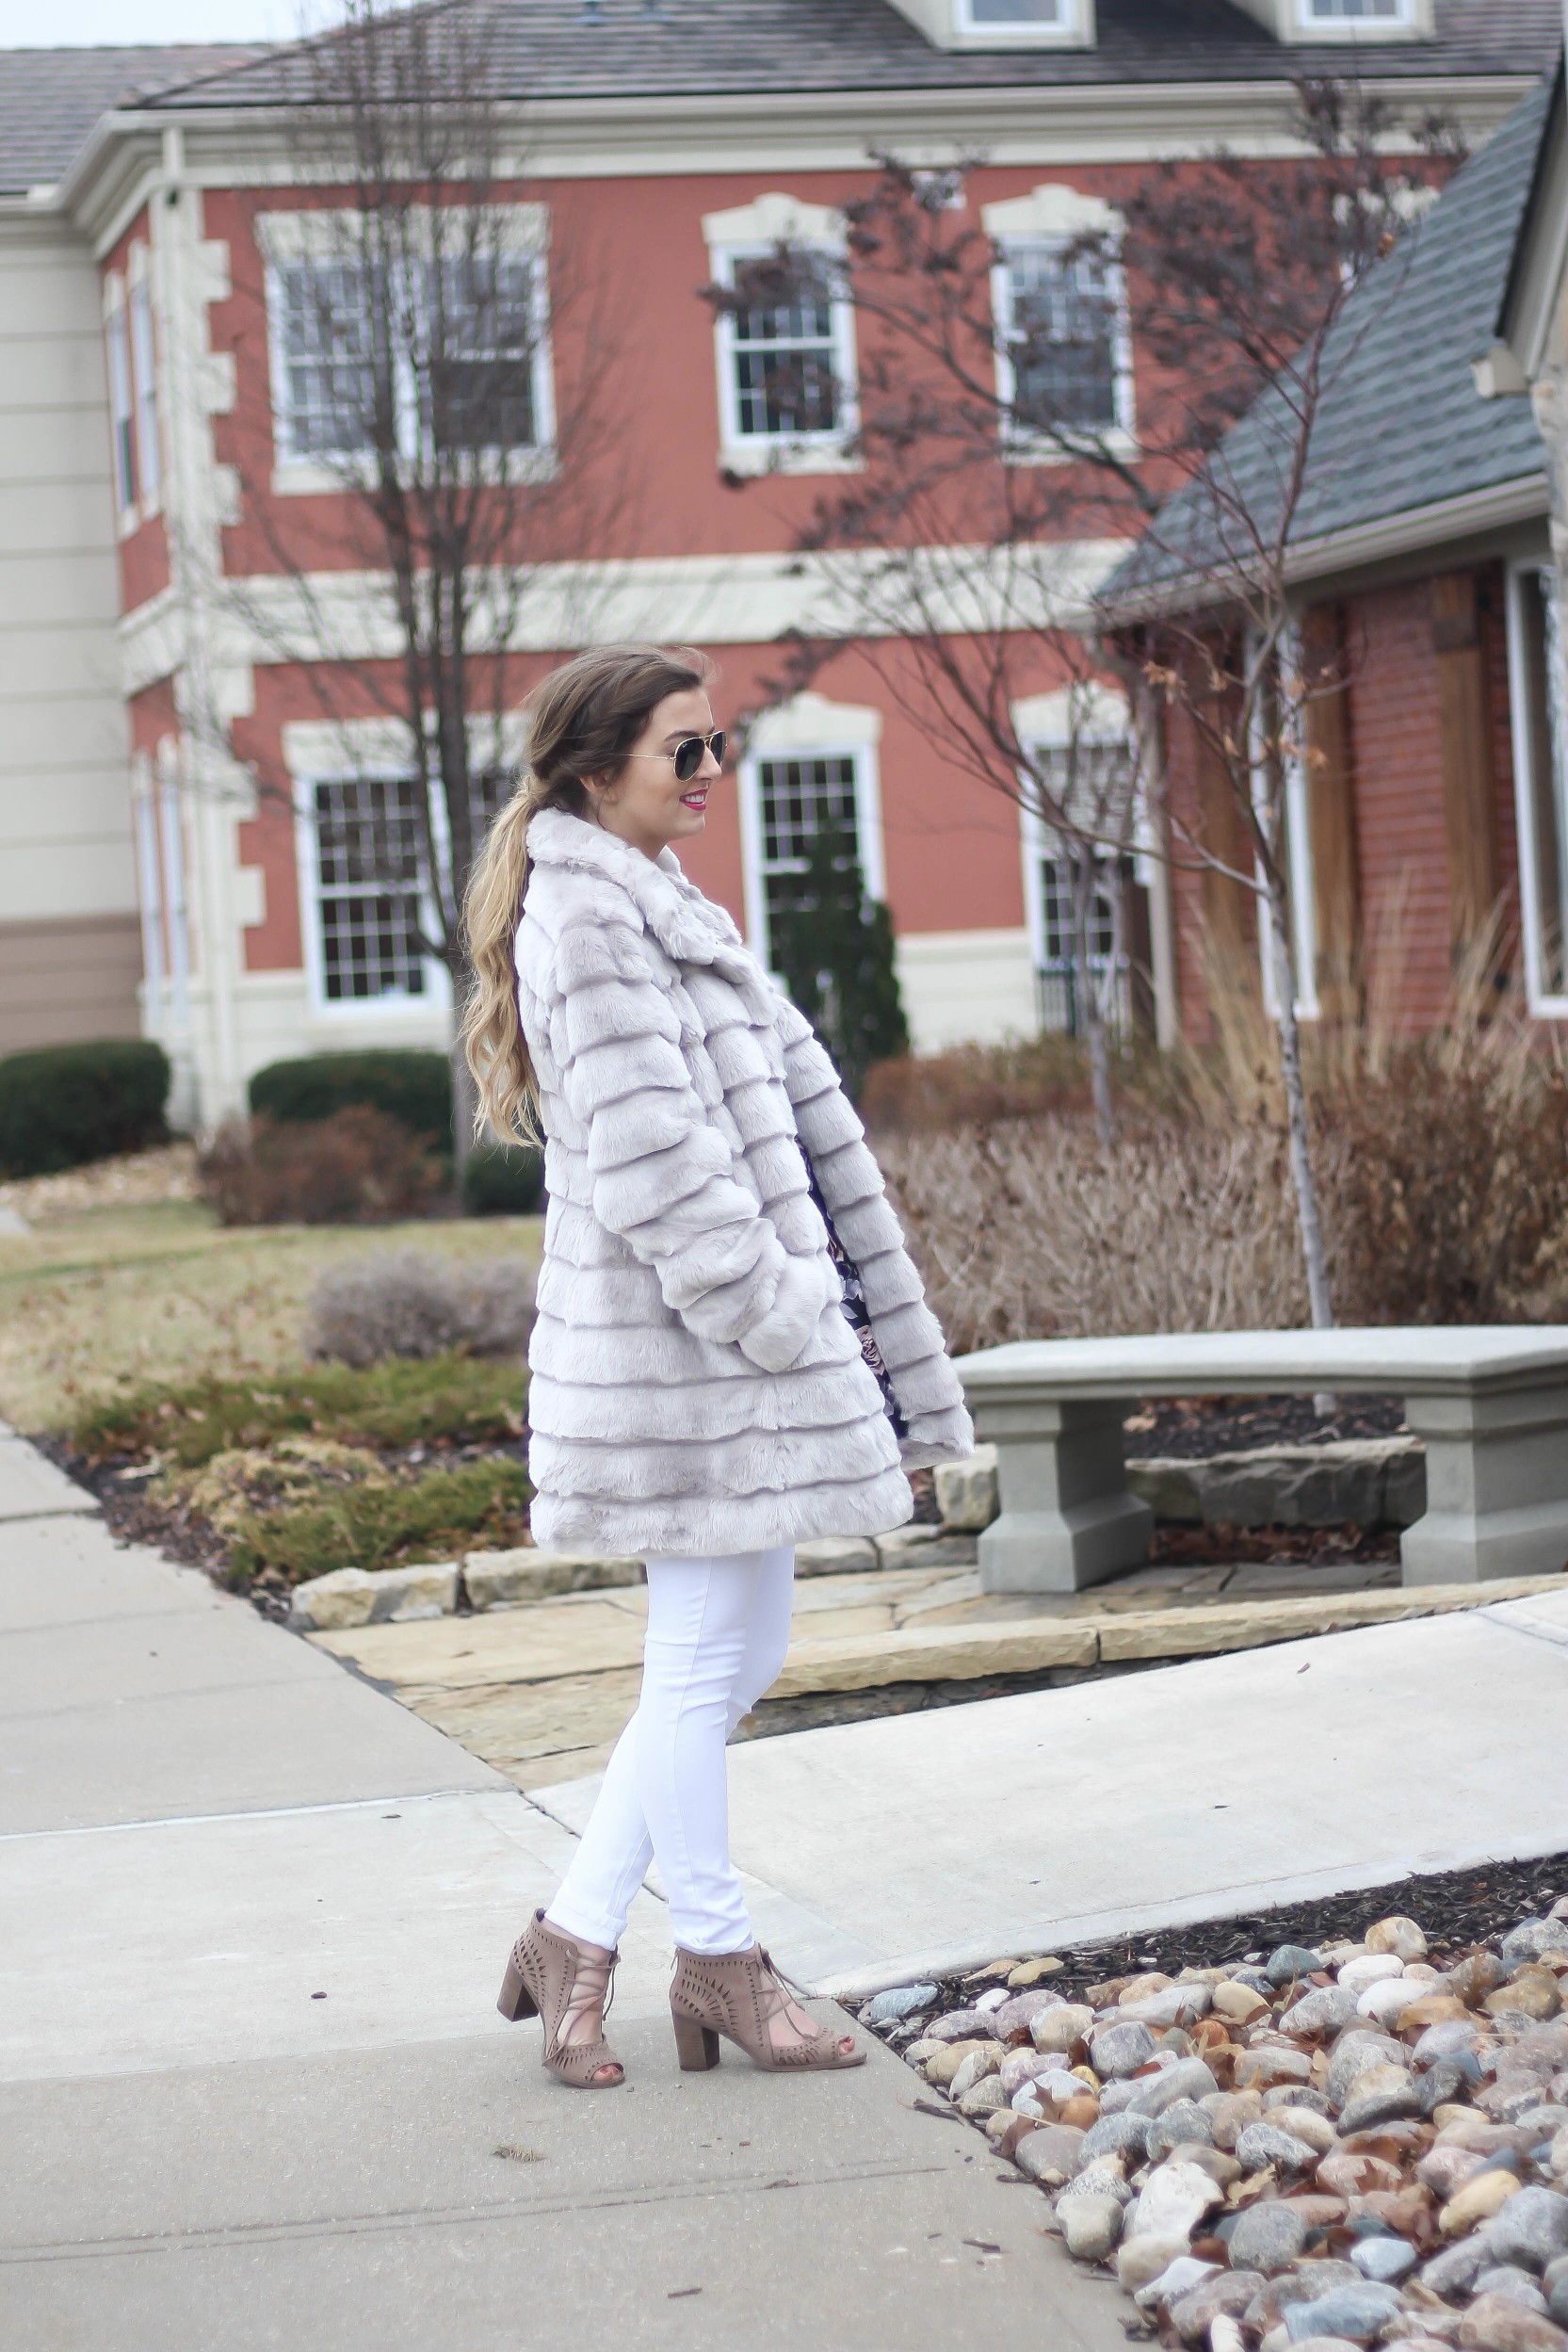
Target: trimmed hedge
[(503, 1180), (413, 1088), (61, 1106)]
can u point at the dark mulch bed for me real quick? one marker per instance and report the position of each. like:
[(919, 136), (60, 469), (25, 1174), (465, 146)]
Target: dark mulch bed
[(1191, 1428), (1456, 1908), (1176, 1543)]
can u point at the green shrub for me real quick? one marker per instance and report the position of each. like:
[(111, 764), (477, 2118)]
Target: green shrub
[(450, 1399), (63, 1105), (413, 1088), (359, 1167), (503, 1180), (481, 1505)]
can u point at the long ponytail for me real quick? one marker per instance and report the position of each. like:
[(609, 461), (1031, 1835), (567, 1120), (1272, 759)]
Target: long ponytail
[(583, 719)]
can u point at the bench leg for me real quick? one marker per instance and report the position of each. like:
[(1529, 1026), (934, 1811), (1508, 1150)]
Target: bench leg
[(1067, 1518), (1496, 1488)]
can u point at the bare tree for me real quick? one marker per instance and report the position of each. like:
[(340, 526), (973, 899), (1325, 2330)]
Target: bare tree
[(441, 357), (1001, 448)]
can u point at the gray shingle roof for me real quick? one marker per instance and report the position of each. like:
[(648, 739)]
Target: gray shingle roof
[(1401, 426), (51, 98), (548, 49)]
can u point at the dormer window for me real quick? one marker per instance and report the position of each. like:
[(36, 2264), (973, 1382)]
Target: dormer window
[(1362, 20), (984, 16), (1003, 24)]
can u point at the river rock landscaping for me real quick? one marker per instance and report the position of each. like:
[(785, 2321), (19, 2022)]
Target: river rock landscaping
[(1349, 2129)]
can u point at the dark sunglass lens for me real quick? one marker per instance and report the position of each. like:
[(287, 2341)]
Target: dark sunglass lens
[(715, 745), (689, 758)]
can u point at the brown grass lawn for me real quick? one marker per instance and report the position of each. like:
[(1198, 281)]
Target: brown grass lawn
[(93, 1297)]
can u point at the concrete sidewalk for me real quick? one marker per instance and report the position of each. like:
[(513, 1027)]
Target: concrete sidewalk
[(883, 1851), (253, 2089)]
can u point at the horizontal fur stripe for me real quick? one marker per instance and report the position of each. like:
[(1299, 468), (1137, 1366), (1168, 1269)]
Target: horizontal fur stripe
[(690, 1333)]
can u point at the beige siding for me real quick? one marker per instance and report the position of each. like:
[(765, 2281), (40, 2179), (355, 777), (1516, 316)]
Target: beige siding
[(70, 959)]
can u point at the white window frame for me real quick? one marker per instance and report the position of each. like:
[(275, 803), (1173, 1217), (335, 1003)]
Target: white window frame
[(1051, 722), (171, 826), (970, 27), (436, 995), (123, 407), (324, 239), (1542, 1002), (148, 891), (751, 234), (810, 727), (1404, 17), (144, 367), (1051, 218)]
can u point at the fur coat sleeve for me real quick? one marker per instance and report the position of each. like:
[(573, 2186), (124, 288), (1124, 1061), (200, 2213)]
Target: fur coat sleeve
[(663, 1176)]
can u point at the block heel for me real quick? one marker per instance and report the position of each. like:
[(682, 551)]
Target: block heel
[(551, 1978), (696, 2045), (516, 2000), (739, 1995)]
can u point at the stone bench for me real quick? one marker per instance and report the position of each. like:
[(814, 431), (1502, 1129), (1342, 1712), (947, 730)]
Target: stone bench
[(1490, 1403)]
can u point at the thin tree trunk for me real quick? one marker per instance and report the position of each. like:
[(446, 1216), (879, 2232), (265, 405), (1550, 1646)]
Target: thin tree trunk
[(1081, 863), (465, 1103), (1308, 1212)]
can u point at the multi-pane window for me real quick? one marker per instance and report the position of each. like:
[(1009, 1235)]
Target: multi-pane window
[(475, 372), (327, 395), (1061, 339), (1093, 784), (122, 411), (981, 15), (1540, 665), (368, 888), (143, 355), (450, 357), (1320, 12), (786, 353), (798, 797)]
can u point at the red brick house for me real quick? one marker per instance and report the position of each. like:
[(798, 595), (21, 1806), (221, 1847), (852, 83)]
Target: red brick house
[(670, 139), (1433, 802)]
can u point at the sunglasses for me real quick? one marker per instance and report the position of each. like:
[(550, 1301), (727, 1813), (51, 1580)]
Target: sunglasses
[(687, 754)]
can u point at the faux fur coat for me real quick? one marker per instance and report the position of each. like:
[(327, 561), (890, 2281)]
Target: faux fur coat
[(696, 1386)]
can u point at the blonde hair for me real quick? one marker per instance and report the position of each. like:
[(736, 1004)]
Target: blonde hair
[(583, 719)]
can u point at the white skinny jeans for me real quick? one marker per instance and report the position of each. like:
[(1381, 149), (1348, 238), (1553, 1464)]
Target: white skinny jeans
[(718, 1630)]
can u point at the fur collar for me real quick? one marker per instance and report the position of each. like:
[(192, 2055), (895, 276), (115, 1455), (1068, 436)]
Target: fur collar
[(688, 927)]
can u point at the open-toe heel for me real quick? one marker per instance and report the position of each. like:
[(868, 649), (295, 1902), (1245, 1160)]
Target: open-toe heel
[(554, 1978), (696, 2045), (738, 1994)]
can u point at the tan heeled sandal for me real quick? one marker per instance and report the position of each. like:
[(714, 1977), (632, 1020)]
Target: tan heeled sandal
[(554, 1979), (738, 1994)]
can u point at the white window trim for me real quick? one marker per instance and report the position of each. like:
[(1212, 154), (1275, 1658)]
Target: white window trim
[(1092, 714), (1543, 1004), (1052, 217), (810, 727), (143, 341), (952, 24), (123, 402), (322, 236), (1068, 29), (1413, 19), (353, 1011), (148, 891), (176, 900), (750, 232)]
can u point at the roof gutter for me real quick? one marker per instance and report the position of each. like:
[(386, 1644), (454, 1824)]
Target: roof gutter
[(1502, 506)]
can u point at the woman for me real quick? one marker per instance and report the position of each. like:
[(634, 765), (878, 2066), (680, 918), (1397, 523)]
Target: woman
[(732, 1349)]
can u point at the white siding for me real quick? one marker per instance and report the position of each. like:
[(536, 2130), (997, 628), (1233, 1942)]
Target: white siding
[(65, 827)]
